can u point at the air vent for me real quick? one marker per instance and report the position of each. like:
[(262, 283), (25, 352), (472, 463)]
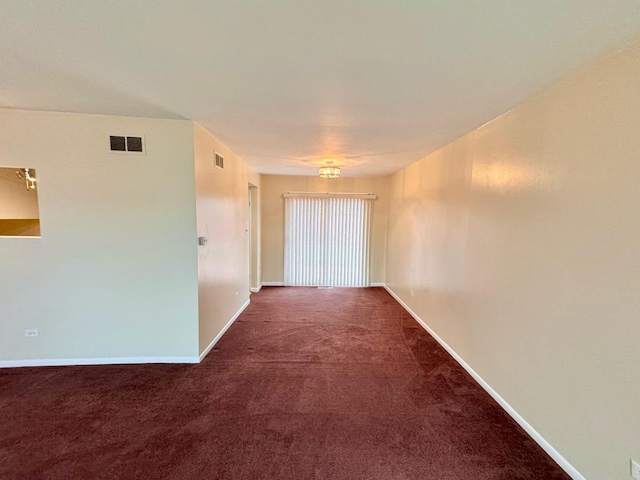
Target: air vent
[(129, 144), (219, 161), (118, 144), (134, 144)]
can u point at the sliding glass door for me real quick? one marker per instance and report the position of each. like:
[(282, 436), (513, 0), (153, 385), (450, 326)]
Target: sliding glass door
[(327, 240)]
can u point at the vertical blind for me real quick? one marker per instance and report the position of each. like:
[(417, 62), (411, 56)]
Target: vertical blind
[(327, 240)]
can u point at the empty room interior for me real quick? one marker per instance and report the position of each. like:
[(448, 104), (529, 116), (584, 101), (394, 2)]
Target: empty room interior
[(320, 240)]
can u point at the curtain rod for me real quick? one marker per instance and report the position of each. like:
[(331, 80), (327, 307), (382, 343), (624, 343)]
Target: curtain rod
[(368, 196)]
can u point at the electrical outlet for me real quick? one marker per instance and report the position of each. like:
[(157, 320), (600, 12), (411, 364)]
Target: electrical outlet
[(635, 469), (237, 293), (412, 293), (31, 332)]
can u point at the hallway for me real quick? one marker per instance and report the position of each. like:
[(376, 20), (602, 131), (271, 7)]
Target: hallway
[(307, 384)]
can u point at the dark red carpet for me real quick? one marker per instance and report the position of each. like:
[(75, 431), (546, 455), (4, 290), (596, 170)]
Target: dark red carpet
[(307, 384)]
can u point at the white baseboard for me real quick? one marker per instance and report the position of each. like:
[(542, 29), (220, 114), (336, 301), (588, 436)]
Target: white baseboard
[(256, 289), (59, 362), (281, 284), (224, 329), (539, 439)]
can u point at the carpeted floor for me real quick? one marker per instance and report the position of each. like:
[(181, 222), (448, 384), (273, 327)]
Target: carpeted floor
[(307, 384)]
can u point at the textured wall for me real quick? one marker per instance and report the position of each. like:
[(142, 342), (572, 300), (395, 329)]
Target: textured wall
[(519, 244)]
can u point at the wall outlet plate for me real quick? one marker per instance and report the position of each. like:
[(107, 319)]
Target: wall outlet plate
[(31, 332), (635, 469)]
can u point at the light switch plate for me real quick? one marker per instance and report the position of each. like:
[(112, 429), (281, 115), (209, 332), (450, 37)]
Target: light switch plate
[(635, 469)]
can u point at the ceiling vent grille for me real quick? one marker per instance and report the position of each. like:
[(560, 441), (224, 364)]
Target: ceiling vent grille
[(126, 144), (219, 160)]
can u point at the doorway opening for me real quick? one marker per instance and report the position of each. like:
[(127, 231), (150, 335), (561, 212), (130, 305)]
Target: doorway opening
[(252, 231)]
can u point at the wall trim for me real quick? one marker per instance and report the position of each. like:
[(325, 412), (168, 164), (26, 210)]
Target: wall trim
[(532, 432), (273, 284), (222, 332), (60, 362), (256, 289)]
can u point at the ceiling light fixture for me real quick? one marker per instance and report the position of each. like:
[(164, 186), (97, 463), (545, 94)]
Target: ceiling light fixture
[(329, 171), (25, 174)]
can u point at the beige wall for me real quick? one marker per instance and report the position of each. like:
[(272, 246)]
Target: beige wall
[(521, 242), (256, 270), (222, 216), (114, 274), (16, 202), (273, 186)]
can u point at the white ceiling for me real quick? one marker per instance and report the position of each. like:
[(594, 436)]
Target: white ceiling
[(285, 84)]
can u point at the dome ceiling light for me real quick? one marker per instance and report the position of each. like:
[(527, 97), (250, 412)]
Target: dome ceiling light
[(329, 171)]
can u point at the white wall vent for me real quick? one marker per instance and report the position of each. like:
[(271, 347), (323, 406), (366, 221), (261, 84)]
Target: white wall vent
[(127, 144), (219, 160)]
